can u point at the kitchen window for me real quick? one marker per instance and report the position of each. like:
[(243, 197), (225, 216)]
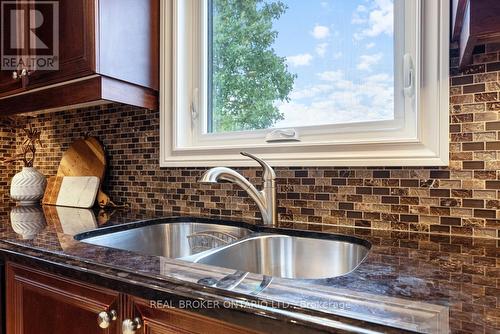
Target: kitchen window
[(304, 83)]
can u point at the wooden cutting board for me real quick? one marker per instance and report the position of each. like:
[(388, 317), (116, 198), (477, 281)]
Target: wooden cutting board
[(72, 191), (85, 157), (52, 190)]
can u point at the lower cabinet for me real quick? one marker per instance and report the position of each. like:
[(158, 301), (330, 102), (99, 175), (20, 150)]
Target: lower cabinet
[(39, 303), (43, 303), (172, 321)]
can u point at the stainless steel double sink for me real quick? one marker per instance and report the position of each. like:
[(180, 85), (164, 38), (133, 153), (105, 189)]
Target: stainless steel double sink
[(267, 252)]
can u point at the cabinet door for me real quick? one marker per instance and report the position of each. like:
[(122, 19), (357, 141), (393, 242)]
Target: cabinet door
[(40, 303), (13, 37), (74, 35), (175, 321), (8, 85)]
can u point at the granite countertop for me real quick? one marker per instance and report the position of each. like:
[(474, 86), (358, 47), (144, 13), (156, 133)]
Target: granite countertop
[(411, 281)]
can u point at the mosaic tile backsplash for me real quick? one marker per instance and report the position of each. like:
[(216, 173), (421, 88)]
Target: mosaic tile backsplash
[(462, 199), (7, 148)]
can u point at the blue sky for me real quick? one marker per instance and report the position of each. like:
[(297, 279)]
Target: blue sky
[(342, 52)]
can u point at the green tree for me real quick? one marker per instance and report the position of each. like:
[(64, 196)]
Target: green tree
[(248, 77)]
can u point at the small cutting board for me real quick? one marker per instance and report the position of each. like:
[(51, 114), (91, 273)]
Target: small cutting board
[(74, 221), (70, 221), (75, 191), (52, 190), (85, 157)]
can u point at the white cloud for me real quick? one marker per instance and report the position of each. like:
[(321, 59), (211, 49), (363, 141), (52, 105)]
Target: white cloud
[(358, 15), (367, 61), (361, 9), (320, 32), (379, 20), (331, 75), (357, 19), (300, 60), (321, 49), (341, 101), (311, 91), (337, 55), (370, 45), (378, 77)]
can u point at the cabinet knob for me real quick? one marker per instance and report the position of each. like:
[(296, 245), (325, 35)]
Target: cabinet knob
[(131, 326), (18, 75), (105, 318)]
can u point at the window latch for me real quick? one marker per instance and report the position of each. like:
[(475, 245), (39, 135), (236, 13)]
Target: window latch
[(194, 108), (409, 76), (282, 135)]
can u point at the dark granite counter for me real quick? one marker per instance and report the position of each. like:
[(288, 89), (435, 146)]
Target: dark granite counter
[(409, 281)]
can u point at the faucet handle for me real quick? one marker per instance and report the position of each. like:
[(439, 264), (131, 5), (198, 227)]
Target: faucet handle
[(269, 173)]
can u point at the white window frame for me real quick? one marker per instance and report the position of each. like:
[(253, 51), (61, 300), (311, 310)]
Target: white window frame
[(419, 138)]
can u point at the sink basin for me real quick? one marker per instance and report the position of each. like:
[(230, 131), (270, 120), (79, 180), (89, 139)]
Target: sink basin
[(288, 256), (238, 248), (172, 240)]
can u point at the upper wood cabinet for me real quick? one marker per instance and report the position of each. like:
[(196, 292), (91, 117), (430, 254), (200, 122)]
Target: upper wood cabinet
[(457, 18), (77, 42), (7, 83), (474, 22), (108, 50)]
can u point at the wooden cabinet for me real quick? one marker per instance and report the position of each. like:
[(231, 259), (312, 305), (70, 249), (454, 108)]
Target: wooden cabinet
[(108, 51), (42, 303), (474, 22), (173, 321), (2, 297), (76, 40), (8, 85), (457, 18)]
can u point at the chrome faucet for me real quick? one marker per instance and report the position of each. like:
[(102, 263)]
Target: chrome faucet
[(265, 198)]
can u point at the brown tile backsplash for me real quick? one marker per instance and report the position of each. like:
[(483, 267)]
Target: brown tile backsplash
[(460, 199), (7, 147)]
